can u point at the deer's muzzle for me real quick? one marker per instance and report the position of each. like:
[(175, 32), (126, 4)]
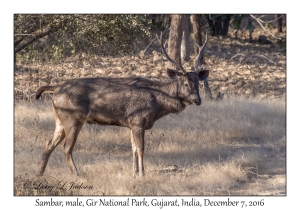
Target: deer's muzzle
[(198, 102)]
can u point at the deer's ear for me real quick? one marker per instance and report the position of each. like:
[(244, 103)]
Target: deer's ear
[(173, 74), (202, 75)]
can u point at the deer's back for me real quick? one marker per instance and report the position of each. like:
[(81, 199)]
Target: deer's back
[(105, 101)]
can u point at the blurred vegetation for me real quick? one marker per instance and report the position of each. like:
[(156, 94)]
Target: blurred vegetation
[(237, 21), (51, 36)]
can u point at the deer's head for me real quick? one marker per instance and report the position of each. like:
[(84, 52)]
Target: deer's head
[(188, 82)]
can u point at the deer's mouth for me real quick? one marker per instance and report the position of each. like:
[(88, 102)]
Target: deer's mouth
[(196, 103), (187, 103), (192, 102)]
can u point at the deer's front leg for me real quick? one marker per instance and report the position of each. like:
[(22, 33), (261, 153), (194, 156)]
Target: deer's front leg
[(134, 156), (137, 140)]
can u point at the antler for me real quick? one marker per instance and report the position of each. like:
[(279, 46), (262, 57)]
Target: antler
[(167, 56), (201, 49)]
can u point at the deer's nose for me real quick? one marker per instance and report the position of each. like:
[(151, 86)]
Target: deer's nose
[(198, 102)]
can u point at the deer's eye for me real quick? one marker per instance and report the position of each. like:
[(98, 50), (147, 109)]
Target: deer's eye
[(186, 85)]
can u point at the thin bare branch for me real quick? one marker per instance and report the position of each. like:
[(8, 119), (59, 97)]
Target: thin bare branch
[(259, 21), (263, 56), (270, 20), (207, 89), (144, 51), (236, 56), (253, 56), (23, 36), (34, 39)]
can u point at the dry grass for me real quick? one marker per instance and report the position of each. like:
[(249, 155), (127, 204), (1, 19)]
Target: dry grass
[(233, 147)]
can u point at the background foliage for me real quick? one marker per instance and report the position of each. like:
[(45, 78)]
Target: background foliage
[(51, 37)]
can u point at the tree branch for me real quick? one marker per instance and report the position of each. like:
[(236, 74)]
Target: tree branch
[(236, 56), (259, 21), (153, 40), (29, 34), (270, 20), (36, 37)]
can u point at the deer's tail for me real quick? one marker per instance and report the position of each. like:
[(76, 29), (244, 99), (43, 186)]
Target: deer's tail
[(42, 89)]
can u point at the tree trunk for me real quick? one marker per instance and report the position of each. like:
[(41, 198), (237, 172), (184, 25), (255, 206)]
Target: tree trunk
[(215, 26), (279, 23), (250, 29), (225, 25), (211, 25), (185, 47), (166, 21), (196, 24), (219, 24), (175, 38)]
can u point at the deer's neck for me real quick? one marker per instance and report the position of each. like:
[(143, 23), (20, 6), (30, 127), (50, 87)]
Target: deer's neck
[(169, 99)]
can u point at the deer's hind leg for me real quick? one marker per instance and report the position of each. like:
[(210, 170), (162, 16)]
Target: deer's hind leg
[(72, 130), (51, 144)]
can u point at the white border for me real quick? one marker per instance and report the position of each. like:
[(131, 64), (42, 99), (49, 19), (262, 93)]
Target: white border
[(153, 6)]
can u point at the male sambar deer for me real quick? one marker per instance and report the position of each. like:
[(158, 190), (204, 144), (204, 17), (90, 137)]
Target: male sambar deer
[(132, 102)]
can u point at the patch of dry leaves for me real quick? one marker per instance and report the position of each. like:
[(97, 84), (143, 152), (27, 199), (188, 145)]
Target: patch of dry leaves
[(237, 68)]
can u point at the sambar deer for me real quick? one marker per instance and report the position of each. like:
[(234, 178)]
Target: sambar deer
[(132, 102)]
